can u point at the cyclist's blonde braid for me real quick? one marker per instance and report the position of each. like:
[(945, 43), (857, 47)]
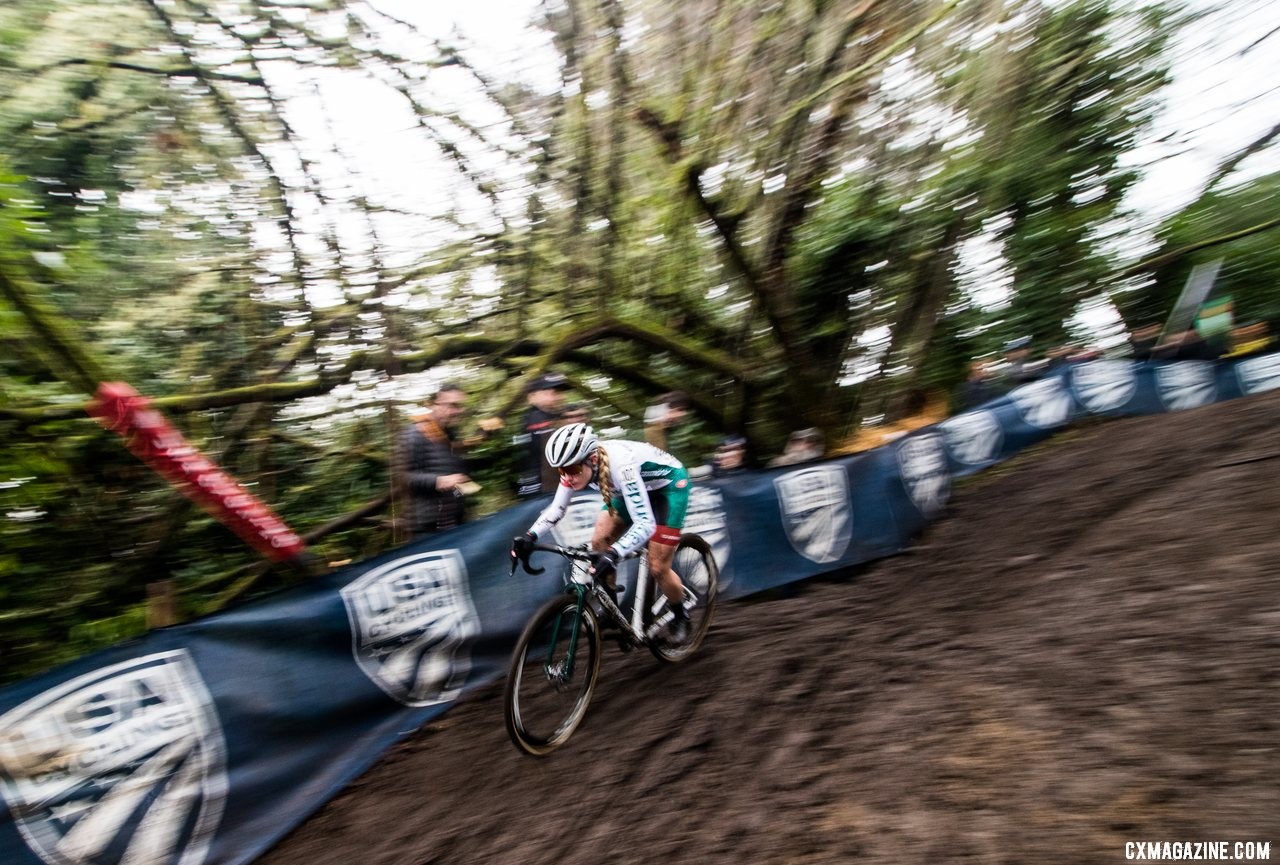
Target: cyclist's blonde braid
[(606, 479)]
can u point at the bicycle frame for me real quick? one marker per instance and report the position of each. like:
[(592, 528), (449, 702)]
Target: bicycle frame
[(549, 684), (583, 586)]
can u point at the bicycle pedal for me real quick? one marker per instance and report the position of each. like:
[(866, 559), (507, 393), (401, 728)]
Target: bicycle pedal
[(624, 645)]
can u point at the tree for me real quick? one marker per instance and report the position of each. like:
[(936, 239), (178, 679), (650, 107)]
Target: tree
[(763, 204), (1237, 225), (158, 229)]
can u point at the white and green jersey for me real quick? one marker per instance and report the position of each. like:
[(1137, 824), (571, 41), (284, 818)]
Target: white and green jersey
[(650, 488)]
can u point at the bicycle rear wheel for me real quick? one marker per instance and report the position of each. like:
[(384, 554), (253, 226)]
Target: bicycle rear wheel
[(697, 569), (548, 684)]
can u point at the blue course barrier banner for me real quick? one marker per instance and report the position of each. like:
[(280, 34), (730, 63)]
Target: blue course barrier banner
[(207, 742)]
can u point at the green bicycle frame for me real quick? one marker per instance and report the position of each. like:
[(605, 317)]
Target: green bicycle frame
[(580, 593)]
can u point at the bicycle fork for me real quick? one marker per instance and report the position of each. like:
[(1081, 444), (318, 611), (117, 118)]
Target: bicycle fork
[(559, 672)]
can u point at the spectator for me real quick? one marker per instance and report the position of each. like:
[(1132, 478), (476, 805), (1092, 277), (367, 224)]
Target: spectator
[(1187, 345), (802, 445), (1084, 354), (545, 395), (730, 458), (1059, 356), (980, 387), (1142, 341), (1249, 339), (432, 472), (1018, 367), (668, 425), (575, 412), (662, 417), (1146, 344)]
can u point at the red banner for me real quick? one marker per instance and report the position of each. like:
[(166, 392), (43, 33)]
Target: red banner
[(151, 438)]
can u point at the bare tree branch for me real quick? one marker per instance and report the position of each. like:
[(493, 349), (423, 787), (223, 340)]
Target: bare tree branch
[(1229, 165)]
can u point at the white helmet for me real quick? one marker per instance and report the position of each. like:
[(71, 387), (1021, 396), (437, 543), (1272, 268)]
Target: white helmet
[(571, 444)]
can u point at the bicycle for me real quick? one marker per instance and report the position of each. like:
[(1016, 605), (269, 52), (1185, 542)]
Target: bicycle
[(556, 660)]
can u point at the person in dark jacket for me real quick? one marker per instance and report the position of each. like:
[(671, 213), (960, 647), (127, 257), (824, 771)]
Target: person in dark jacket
[(979, 388), (1018, 367), (546, 400), (1187, 345), (433, 474)]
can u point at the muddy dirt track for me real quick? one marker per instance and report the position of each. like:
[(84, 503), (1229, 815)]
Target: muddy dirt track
[(1084, 652)]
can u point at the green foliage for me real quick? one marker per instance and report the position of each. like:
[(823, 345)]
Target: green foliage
[(847, 254), (729, 199), (1068, 106), (1250, 273)]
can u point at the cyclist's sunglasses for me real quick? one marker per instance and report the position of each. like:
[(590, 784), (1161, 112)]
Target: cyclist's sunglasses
[(573, 470)]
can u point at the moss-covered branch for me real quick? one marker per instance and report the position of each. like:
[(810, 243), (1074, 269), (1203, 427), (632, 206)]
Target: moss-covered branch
[(77, 367), (168, 72), (1164, 258)]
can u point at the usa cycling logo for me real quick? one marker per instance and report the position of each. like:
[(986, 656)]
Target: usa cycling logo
[(922, 462), (816, 511), (974, 438), (1105, 385), (412, 621), (1187, 384), (1044, 404), (1258, 374), (123, 765)]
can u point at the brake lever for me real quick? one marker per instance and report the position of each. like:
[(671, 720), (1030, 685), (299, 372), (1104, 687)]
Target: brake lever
[(523, 560)]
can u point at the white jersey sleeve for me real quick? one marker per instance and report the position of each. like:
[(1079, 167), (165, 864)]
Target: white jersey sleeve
[(553, 512)]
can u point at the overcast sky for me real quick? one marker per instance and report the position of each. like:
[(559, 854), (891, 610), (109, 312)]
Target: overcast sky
[(1221, 99)]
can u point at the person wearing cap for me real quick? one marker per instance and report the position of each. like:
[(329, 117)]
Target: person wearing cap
[(1018, 367), (545, 395), (730, 457), (802, 445)]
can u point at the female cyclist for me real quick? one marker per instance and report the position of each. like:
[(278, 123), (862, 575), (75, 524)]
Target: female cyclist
[(646, 494)]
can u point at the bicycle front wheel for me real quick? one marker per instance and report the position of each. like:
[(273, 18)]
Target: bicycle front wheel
[(697, 569), (552, 675)]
